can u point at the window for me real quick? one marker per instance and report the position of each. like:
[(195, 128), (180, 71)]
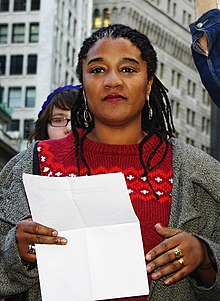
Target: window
[(2, 64), (190, 117), (14, 125), (35, 4), (174, 9), (18, 33), (161, 73), (3, 33), (208, 127), (1, 94), (184, 17), (168, 6), (30, 97), (4, 5), (194, 90), (28, 124), (14, 97), (189, 18), (177, 110), (205, 149), (74, 27), (203, 123), (19, 5), (66, 77), (106, 21), (16, 65), (97, 22), (73, 56), (190, 141), (34, 33), (68, 52), (178, 80), (69, 21), (191, 88), (173, 77), (32, 64)]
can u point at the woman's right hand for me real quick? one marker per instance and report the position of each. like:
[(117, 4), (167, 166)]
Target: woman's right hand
[(29, 233)]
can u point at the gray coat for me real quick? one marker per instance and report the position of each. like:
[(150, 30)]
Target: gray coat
[(195, 208)]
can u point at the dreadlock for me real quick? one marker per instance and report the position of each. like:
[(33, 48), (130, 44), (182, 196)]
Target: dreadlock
[(161, 122)]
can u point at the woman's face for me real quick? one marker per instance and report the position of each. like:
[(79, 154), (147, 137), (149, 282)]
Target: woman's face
[(58, 131), (115, 82)]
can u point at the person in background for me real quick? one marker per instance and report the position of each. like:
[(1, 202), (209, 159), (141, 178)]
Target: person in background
[(54, 117), (122, 122), (53, 123), (206, 45)]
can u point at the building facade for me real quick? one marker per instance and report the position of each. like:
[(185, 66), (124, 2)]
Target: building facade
[(39, 43), (8, 147), (166, 23)]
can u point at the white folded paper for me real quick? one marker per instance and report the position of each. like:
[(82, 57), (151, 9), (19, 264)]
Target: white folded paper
[(104, 257)]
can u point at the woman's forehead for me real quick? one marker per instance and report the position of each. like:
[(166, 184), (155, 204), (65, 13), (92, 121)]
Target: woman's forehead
[(108, 47)]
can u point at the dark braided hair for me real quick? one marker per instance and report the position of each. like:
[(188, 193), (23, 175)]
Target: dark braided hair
[(161, 122)]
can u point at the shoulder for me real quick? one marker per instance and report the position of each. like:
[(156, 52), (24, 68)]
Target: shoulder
[(22, 160), (189, 154), (190, 163)]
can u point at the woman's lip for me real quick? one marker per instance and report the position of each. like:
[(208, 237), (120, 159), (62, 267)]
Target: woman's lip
[(114, 97)]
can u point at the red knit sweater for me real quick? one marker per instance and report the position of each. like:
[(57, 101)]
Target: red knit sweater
[(57, 158)]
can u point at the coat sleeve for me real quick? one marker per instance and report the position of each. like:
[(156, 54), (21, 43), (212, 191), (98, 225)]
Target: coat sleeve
[(15, 275), (196, 196)]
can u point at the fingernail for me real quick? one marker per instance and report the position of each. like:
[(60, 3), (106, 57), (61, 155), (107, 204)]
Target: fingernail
[(54, 233), (154, 276), (149, 267), (63, 241), (167, 282), (148, 257)]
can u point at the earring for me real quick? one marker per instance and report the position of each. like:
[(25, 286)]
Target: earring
[(86, 114), (150, 111)]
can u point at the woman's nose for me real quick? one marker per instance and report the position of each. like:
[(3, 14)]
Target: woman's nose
[(112, 79)]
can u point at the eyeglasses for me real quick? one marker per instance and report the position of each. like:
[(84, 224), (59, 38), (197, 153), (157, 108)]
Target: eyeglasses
[(58, 122)]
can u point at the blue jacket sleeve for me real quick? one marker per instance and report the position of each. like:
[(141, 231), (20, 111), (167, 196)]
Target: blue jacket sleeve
[(208, 65)]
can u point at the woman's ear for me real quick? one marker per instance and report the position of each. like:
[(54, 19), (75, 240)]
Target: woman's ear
[(149, 85)]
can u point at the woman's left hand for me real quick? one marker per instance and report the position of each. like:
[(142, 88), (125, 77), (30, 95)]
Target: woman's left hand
[(179, 254)]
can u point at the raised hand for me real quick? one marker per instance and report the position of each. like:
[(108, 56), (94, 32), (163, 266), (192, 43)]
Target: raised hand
[(29, 232)]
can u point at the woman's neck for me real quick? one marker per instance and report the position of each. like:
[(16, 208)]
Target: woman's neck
[(110, 135)]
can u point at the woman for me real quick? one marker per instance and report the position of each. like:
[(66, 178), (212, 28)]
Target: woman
[(54, 117), (122, 121)]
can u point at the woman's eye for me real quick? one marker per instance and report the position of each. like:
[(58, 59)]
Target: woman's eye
[(57, 120), (128, 70), (97, 70)]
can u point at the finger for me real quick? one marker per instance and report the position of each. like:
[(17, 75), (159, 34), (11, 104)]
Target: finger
[(36, 238), (164, 259), (172, 267), (166, 232), (166, 245), (180, 274), (32, 232), (35, 228), (162, 248)]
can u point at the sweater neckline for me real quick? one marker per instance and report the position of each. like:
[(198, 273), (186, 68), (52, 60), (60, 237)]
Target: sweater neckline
[(97, 147)]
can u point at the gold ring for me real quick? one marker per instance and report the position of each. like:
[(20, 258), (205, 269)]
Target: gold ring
[(31, 249), (181, 261), (177, 253)]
